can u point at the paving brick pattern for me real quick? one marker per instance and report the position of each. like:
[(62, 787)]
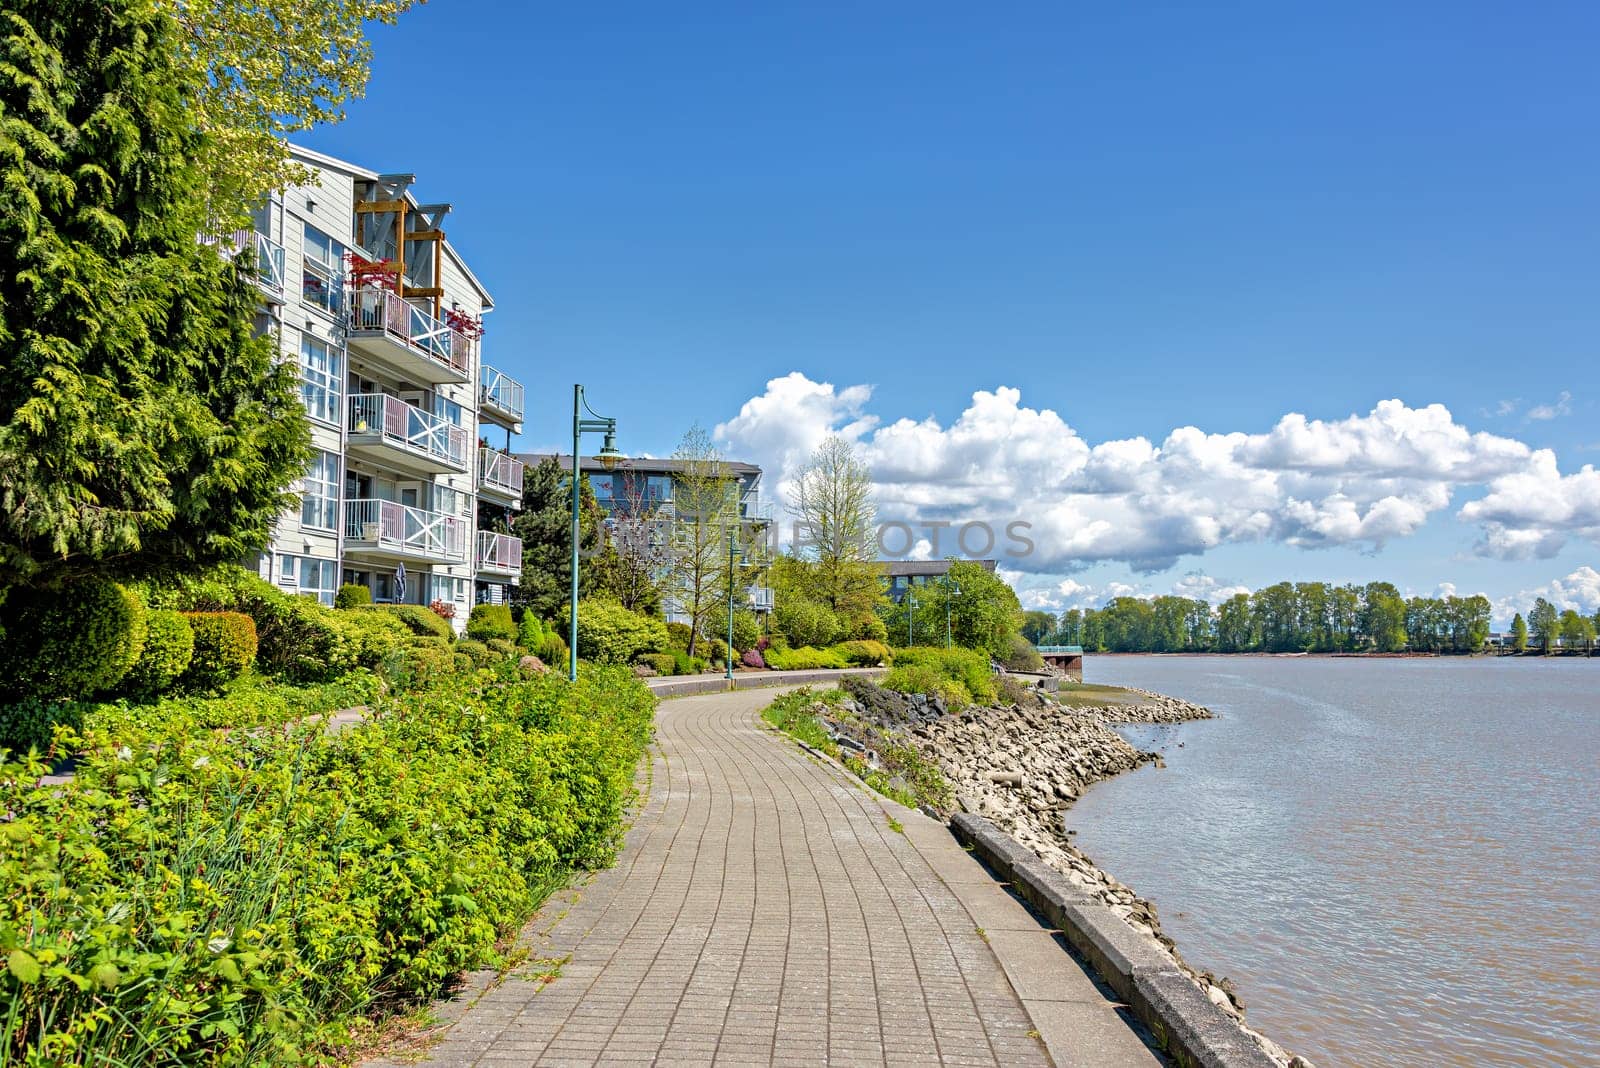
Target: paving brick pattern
[(762, 912)]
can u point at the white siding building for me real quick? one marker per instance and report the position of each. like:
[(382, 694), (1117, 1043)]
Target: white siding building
[(383, 319)]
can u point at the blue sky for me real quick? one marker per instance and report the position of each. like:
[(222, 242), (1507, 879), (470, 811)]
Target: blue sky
[(1180, 216)]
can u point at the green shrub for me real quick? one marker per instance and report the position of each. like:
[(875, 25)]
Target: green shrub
[(31, 722), (491, 621), (502, 648), (477, 653), (746, 630), (1021, 655), (678, 637), (684, 664), (421, 620), (964, 666), (714, 650), (224, 648), (803, 659), (419, 665), (168, 648), (804, 622), (530, 632), (610, 634), (374, 634), (70, 642), (863, 653), (352, 596), (240, 900), (660, 663), (868, 629), (554, 652)]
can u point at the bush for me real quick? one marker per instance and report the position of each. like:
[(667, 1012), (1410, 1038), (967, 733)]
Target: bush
[(803, 659), (255, 893), (491, 621), (374, 635), (746, 630), (678, 637), (804, 622), (168, 648), (684, 664), (421, 620), (70, 642), (863, 653), (610, 634), (868, 629), (224, 647), (1022, 656), (30, 724), (352, 596), (477, 653), (660, 663), (530, 632), (965, 666), (714, 650), (752, 659), (419, 665), (502, 648), (554, 652)]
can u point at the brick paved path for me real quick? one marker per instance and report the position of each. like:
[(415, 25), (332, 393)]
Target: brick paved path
[(762, 912)]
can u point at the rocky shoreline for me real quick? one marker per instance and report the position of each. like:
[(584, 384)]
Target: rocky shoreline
[(1022, 765)]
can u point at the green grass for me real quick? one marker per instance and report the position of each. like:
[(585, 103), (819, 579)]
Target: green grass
[(1090, 695)]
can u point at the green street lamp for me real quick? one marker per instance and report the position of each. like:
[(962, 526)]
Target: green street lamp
[(609, 458), (950, 590), (911, 613), (733, 537)]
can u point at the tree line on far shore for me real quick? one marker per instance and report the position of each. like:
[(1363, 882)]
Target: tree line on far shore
[(1297, 617)]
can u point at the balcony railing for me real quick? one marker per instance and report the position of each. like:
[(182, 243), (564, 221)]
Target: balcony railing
[(761, 598), (498, 471), (408, 427), (499, 552), (373, 309), (498, 389), (404, 530), (267, 254)]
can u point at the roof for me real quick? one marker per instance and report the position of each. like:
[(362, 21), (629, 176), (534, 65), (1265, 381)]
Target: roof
[(319, 159), (897, 568), (648, 465)]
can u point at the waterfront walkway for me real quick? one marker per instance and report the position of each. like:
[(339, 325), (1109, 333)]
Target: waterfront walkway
[(765, 911)]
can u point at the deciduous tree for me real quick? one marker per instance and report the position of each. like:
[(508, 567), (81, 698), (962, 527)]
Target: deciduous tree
[(832, 505)]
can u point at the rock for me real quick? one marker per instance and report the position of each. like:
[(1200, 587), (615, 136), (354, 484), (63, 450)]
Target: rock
[(532, 665), (643, 671)]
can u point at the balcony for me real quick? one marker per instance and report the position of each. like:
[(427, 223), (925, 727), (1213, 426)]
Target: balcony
[(391, 531), (266, 254), (499, 554), (388, 328), (499, 476), (761, 598), (499, 397), (390, 431)]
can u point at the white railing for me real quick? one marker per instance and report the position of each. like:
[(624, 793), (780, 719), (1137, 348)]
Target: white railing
[(404, 529), (499, 471), (501, 390), (408, 427), (500, 552), (267, 253), (373, 309)]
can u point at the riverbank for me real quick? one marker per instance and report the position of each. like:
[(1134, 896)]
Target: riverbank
[(1022, 766)]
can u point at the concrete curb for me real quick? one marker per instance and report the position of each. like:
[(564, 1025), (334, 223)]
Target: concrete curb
[(751, 681), (1191, 1030)]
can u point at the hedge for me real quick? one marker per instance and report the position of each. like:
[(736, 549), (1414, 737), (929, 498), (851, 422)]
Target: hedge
[(352, 596), (70, 642), (224, 647), (195, 898), (803, 659), (863, 653), (491, 621), (168, 648), (419, 619), (610, 634)]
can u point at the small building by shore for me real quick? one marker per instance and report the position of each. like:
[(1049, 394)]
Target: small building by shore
[(1065, 659)]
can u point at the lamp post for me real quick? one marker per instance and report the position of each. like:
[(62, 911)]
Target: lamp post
[(733, 534), (609, 457), (911, 612), (950, 590)]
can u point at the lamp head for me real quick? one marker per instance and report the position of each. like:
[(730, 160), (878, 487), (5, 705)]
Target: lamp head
[(609, 456)]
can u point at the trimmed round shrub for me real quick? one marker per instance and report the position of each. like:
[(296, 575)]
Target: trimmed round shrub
[(502, 648), (805, 622), (168, 648), (660, 663), (1022, 656), (475, 651), (863, 653), (420, 664), (224, 647), (610, 634), (465, 664), (374, 635), (70, 642), (421, 620), (491, 621), (868, 629), (352, 596), (678, 637), (684, 664), (553, 651)]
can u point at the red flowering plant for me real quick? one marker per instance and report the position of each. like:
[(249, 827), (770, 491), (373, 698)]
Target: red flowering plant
[(443, 609), (364, 272), (463, 323)]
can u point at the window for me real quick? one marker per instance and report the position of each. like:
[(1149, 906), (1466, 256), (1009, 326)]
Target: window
[(319, 499), (443, 588), (309, 575), (319, 379), (322, 260), (447, 501), (448, 410)]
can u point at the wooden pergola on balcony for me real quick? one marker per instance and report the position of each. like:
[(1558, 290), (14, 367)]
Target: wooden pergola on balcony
[(409, 237)]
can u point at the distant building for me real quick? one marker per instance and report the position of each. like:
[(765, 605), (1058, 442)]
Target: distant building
[(903, 575), (649, 486)]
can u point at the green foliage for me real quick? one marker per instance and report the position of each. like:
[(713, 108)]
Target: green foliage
[(143, 424), (863, 653), (168, 648), (374, 635), (544, 524), (793, 714), (420, 620), (554, 651), (684, 664), (803, 621), (1519, 633), (491, 621), (610, 634), (805, 658), (352, 596), (224, 647), (240, 900), (678, 636), (746, 630), (530, 632), (660, 663), (868, 629), (1022, 656), (966, 667), (70, 642), (30, 724), (419, 665), (502, 648), (476, 652), (1544, 624)]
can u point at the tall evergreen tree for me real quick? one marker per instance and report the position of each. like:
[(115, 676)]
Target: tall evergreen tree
[(545, 527), (143, 424)]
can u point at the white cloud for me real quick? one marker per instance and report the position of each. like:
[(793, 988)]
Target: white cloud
[(1201, 586), (1579, 590), (1562, 406), (1533, 512), (1360, 481)]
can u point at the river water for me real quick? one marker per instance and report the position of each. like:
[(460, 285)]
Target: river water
[(1397, 861)]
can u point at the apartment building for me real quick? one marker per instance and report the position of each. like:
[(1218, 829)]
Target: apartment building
[(645, 486), (407, 494)]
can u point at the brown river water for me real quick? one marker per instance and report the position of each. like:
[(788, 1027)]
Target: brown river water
[(1397, 861)]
